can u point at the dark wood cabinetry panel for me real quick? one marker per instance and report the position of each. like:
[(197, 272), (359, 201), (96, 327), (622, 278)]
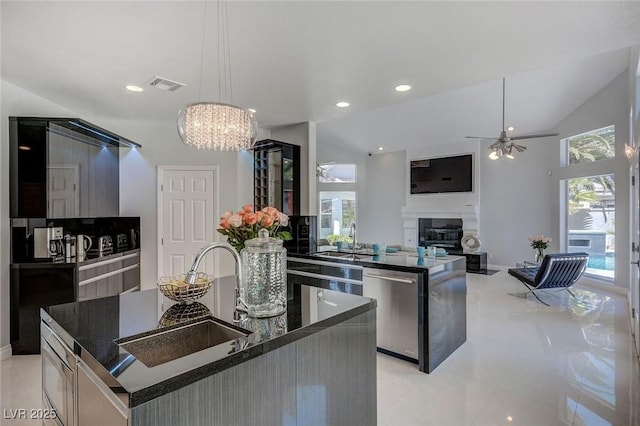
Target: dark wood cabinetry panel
[(276, 175)]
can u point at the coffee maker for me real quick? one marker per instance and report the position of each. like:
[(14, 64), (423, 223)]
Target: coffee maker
[(48, 243)]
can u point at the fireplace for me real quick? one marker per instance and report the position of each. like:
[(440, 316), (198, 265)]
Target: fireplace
[(465, 215), (445, 233)]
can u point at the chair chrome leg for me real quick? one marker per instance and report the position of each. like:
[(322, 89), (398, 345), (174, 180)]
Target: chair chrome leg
[(541, 301)]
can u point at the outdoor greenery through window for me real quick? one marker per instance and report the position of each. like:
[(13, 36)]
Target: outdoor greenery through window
[(337, 213), (591, 199), (591, 221), (592, 146), (336, 173)]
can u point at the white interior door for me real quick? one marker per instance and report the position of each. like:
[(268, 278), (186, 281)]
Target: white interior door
[(187, 213), (62, 181)]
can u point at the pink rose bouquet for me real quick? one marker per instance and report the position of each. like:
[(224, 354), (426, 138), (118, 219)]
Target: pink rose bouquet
[(540, 242), (245, 224)]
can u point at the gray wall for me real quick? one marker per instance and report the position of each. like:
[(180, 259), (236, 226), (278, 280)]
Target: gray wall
[(161, 146), (385, 175), (516, 198)]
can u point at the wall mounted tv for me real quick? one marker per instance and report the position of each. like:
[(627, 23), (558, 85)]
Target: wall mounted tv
[(445, 174)]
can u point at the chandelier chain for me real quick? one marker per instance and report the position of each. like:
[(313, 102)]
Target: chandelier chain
[(204, 32)]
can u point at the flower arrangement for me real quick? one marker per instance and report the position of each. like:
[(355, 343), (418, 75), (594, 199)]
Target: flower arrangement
[(245, 224), (540, 242)]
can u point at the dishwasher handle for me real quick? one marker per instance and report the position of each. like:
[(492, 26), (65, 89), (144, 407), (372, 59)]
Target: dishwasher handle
[(388, 278)]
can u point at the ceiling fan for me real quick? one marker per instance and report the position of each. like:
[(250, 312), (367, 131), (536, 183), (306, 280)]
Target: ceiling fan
[(504, 145)]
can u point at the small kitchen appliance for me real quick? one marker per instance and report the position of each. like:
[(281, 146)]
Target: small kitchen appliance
[(122, 242), (83, 245), (48, 243)]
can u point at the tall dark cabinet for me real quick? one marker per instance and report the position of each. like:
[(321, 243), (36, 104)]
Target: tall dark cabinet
[(64, 173), (63, 167), (276, 176)]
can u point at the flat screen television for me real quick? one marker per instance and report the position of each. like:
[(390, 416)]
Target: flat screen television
[(445, 174)]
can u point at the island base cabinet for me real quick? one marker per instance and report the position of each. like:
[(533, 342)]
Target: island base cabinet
[(326, 378), (96, 403)]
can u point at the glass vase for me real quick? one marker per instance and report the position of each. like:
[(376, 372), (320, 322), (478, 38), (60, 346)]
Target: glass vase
[(264, 286), (539, 254)]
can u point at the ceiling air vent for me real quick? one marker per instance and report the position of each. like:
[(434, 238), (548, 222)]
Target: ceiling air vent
[(165, 84)]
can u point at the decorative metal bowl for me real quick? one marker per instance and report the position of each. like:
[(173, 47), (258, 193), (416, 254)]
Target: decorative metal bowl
[(180, 313), (176, 289)]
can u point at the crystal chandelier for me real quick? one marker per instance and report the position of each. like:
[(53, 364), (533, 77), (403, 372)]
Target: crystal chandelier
[(216, 125)]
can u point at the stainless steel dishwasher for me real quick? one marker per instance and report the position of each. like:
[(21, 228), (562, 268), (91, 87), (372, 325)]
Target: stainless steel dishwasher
[(397, 315)]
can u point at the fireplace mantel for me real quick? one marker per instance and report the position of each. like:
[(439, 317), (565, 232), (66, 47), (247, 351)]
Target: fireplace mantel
[(410, 216)]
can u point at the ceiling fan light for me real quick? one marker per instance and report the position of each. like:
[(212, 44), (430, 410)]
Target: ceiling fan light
[(493, 155)]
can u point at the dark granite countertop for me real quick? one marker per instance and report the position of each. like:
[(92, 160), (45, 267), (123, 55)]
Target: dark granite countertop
[(92, 326), (400, 261)]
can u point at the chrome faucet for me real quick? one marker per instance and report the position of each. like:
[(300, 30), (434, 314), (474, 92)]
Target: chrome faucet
[(190, 278), (352, 234)]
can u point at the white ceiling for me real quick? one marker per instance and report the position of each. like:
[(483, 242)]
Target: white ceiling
[(293, 60)]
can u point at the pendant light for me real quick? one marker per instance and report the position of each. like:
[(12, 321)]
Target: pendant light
[(216, 125)]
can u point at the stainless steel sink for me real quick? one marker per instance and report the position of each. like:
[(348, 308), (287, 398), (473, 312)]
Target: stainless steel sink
[(176, 342), (343, 255)]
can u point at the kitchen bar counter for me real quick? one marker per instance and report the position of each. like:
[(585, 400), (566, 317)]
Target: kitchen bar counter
[(400, 261), (421, 301), (92, 326)]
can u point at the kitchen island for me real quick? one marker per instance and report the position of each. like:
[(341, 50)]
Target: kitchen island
[(314, 364), (421, 301)]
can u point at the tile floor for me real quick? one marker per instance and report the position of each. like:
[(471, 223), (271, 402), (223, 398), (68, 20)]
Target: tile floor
[(524, 363)]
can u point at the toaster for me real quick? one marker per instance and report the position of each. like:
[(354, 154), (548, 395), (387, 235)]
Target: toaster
[(103, 247)]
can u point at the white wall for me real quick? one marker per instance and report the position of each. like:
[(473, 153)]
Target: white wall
[(385, 195), (14, 102)]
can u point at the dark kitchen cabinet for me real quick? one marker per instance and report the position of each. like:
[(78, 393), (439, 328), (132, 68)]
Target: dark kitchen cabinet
[(63, 167), (276, 176), (36, 285)]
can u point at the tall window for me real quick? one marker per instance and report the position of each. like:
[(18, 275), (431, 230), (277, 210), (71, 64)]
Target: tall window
[(590, 201), (337, 213)]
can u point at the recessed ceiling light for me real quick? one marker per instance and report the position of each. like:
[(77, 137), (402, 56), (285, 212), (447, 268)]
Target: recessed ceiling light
[(24, 148), (342, 104), (133, 88), (380, 148), (251, 110), (403, 88), (510, 128)]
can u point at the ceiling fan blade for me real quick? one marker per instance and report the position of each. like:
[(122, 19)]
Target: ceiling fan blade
[(539, 135), (480, 137), (519, 148)]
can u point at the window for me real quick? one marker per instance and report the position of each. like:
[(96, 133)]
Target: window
[(591, 146), (591, 221), (336, 173), (337, 212), (590, 199)]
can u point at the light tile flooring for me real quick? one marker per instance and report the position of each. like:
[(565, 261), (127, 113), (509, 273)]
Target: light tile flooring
[(524, 363)]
